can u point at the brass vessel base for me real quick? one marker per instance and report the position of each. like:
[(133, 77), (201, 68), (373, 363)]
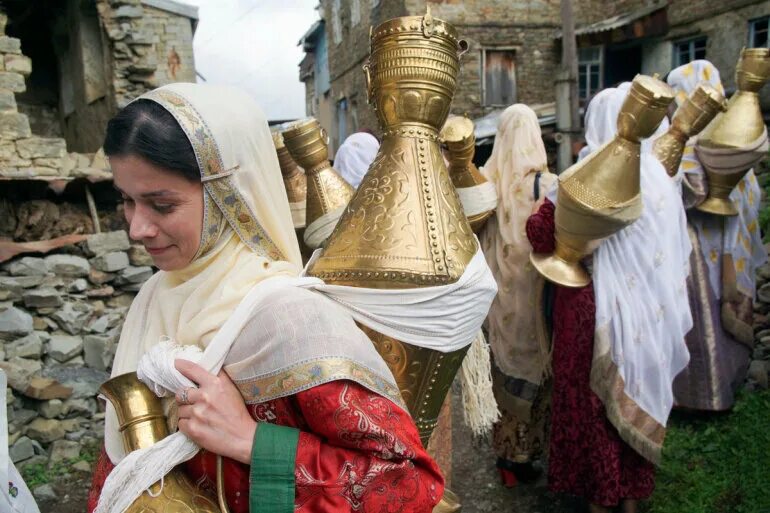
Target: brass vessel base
[(560, 271), (718, 206), (449, 503)]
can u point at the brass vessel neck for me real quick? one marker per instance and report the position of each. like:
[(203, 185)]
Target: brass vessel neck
[(678, 134), (288, 167), (140, 413), (412, 130)]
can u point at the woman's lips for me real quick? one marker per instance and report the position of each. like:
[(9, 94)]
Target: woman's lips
[(156, 251)]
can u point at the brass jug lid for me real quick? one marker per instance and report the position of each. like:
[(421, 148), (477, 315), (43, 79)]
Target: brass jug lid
[(753, 69), (653, 91), (457, 129), (426, 26), (300, 127)]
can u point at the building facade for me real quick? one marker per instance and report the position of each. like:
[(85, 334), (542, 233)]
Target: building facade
[(515, 48)]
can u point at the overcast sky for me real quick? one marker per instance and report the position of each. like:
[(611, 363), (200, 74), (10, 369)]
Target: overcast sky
[(253, 44)]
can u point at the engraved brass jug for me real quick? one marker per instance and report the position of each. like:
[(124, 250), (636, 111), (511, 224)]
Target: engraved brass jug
[(690, 118), (600, 195), (142, 424), (741, 125), (405, 227), (327, 191), (460, 141), (294, 180)]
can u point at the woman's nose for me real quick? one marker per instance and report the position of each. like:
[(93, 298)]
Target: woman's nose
[(141, 226)]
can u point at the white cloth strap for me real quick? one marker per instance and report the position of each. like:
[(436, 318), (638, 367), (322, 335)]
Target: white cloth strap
[(15, 497), (320, 229), (298, 210), (478, 199), (444, 318)]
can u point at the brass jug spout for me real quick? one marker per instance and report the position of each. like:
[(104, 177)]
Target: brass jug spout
[(142, 424), (600, 195)]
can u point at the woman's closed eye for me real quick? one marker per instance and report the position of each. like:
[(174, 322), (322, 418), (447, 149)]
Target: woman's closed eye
[(163, 208)]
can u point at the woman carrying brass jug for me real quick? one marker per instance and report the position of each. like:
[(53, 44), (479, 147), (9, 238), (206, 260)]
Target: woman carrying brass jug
[(520, 347), (304, 412), (726, 254), (619, 341)]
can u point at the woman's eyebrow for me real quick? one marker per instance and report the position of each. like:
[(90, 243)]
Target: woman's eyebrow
[(158, 194)]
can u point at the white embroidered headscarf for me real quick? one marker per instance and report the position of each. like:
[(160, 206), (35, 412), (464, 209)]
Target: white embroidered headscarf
[(519, 345), (738, 236), (642, 312), (355, 156)]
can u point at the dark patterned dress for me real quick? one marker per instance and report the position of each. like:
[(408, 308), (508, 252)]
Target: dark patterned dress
[(587, 457)]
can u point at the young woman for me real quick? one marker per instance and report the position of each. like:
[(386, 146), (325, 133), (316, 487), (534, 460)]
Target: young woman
[(203, 192), (618, 342), (518, 168)]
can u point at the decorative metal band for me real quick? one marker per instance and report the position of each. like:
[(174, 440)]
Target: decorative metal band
[(306, 375), (414, 133), (224, 191)]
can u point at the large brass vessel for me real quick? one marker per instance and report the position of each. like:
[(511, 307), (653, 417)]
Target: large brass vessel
[(740, 126), (327, 191), (142, 424), (460, 142), (690, 118), (405, 227), (600, 195)]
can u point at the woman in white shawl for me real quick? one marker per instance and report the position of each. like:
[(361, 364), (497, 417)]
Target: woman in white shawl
[(305, 412), (518, 168), (354, 157), (727, 253), (619, 342)]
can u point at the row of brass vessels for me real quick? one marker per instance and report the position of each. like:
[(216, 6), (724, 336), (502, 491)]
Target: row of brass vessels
[(403, 228), (600, 195)]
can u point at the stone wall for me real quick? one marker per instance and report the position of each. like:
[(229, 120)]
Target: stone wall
[(60, 320), (148, 47)]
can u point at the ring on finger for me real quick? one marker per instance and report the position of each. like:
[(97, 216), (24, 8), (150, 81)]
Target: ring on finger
[(185, 398)]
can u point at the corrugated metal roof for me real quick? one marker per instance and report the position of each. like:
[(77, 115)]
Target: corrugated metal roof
[(618, 21), (486, 126)]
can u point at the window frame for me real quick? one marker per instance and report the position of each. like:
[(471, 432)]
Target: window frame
[(482, 71), (690, 41), (752, 31), (600, 62)]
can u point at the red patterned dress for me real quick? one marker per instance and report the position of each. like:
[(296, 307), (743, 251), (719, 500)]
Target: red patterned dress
[(587, 456), (357, 451)]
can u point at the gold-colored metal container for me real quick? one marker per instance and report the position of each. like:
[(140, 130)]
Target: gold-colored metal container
[(326, 190), (600, 195), (690, 118), (460, 142), (405, 227), (740, 126), (294, 180), (142, 424)]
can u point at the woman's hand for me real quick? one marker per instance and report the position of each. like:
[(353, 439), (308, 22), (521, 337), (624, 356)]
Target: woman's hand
[(214, 415)]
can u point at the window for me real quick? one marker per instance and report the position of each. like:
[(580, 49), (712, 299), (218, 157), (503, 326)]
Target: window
[(498, 82), (689, 50), (758, 30), (321, 65), (342, 121), (590, 72)]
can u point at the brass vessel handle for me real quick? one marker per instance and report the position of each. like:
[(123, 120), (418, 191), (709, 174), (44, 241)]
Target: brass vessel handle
[(221, 486), (325, 136), (462, 47), (368, 76)]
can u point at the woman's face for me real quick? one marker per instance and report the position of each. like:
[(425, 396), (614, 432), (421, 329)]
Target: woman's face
[(164, 210)]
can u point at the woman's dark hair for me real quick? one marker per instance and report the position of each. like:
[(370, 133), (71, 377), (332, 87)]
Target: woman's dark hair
[(147, 130)]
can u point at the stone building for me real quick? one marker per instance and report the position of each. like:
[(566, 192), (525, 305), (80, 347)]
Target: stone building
[(69, 65), (515, 49)]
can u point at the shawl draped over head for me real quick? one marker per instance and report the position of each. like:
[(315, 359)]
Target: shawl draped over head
[(248, 240), (642, 310), (355, 156), (731, 246), (518, 169)]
